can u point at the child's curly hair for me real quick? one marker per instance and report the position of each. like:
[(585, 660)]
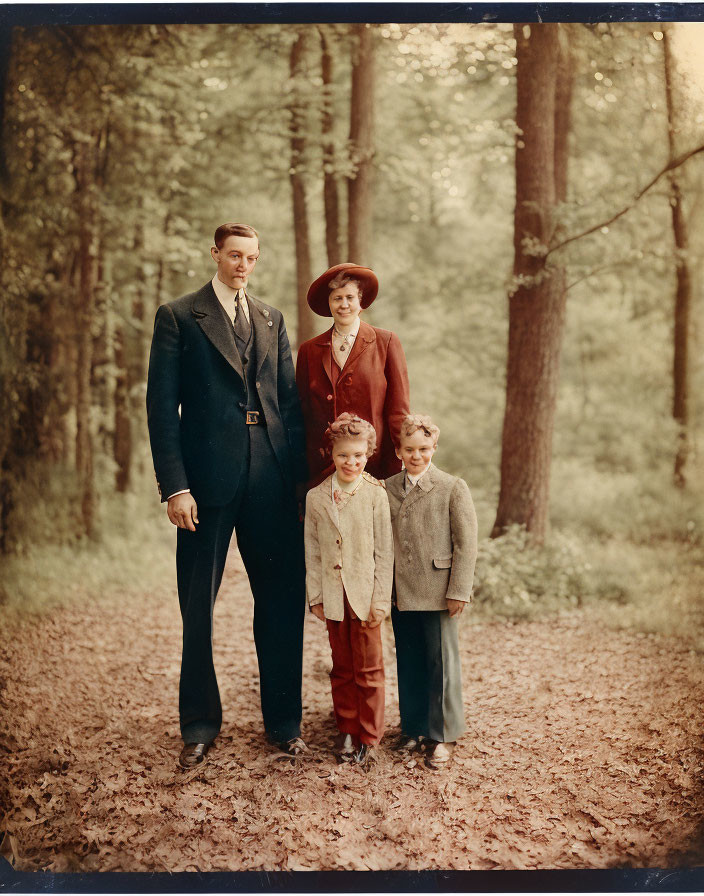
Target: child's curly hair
[(350, 426), (413, 422)]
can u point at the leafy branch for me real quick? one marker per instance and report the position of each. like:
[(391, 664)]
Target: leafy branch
[(670, 166)]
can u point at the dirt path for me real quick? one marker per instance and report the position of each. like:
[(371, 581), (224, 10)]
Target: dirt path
[(584, 750)]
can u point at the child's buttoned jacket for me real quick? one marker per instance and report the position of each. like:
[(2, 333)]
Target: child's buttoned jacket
[(435, 540), (350, 549)]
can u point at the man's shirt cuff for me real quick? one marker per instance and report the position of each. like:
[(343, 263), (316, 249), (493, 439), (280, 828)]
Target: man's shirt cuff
[(184, 491)]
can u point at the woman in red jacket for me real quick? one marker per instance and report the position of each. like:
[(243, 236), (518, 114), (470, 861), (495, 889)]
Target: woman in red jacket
[(351, 367)]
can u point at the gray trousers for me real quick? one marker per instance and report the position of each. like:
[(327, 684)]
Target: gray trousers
[(429, 674)]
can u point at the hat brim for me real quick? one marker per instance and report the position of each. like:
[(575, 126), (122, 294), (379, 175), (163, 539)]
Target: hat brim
[(319, 290)]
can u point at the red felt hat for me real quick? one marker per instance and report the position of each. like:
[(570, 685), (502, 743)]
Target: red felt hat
[(319, 291)]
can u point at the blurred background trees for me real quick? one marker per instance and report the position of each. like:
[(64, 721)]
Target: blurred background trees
[(461, 161)]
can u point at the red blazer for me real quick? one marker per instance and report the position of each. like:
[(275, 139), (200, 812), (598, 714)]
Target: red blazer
[(373, 384)]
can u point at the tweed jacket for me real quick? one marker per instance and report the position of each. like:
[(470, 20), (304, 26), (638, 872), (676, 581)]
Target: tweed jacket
[(351, 549), (373, 384), (435, 540), (197, 389)]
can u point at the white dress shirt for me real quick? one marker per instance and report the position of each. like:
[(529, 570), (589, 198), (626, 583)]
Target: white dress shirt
[(228, 298), (412, 481)]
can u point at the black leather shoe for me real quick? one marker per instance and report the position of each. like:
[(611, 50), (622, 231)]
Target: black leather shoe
[(193, 755), (344, 748), (293, 747), (406, 743), (366, 755)]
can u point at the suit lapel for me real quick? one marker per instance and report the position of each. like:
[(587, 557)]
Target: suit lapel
[(323, 344), (262, 330), (394, 485), (365, 337), (425, 485), (213, 321), (325, 496)]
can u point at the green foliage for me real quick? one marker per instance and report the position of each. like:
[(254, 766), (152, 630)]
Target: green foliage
[(641, 510), (518, 580), (195, 130), (51, 567)]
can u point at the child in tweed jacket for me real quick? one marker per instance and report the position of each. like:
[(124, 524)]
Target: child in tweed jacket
[(435, 547)]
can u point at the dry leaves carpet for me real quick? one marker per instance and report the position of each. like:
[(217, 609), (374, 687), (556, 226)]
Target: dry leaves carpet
[(584, 750)]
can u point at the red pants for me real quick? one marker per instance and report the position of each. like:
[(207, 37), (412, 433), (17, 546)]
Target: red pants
[(357, 678)]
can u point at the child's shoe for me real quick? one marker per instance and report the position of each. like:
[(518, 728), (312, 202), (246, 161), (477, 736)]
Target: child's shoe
[(366, 755), (407, 743), (344, 748), (437, 754)]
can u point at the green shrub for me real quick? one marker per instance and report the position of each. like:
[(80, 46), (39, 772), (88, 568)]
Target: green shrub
[(517, 579)]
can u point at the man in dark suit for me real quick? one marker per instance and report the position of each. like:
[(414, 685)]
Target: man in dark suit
[(227, 440)]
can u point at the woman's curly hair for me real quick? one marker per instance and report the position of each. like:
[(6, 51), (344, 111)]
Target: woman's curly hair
[(413, 422), (350, 426)]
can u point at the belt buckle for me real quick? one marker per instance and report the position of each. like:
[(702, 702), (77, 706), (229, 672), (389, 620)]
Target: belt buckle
[(252, 417)]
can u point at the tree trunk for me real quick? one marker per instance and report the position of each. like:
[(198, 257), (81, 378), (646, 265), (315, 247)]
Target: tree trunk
[(359, 186), (135, 346), (122, 433), (333, 237), (161, 270), (6, 35), (306, 326), (5, 344), (85, 172), (683, 289), (537, 298)]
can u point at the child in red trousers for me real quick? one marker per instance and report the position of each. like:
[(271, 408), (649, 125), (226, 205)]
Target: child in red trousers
[(349, 573)]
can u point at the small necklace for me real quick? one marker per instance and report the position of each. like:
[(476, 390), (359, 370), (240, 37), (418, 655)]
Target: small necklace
[(341, 496), (345, 337)]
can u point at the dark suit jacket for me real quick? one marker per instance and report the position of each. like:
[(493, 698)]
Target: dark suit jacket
[(373, 383), (194, 366)]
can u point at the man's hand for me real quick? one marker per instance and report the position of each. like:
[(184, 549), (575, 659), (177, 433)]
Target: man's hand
[(375, 618), (318, 612), (182, 510), (455, 606)]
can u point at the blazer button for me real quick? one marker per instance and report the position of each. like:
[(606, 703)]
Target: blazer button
[(337, 541), (270, 323), (329, 397), (257, 384)]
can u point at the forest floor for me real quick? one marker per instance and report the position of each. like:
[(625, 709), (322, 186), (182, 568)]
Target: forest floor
[(584, 750)]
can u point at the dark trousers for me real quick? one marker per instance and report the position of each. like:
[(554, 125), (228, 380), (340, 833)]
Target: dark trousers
[(263, 514), (429, 673), (357, 678)]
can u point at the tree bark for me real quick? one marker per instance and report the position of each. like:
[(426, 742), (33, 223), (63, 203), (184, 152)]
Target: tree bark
[(683, 288), (537, 298), (6, 38), (85, 172), (5, 343), (306, 326), (361, 142), (122, 433), (331, 197)]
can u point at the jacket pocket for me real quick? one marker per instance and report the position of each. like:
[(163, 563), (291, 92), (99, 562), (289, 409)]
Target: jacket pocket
[(442, 562)]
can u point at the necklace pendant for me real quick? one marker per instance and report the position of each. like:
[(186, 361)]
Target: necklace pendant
[(343, 347)]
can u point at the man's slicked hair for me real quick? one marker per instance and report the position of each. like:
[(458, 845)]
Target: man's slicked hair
[(225, 230)]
